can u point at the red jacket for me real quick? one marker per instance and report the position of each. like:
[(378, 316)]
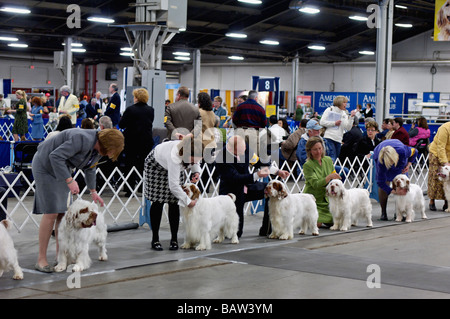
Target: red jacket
[(402, 135)]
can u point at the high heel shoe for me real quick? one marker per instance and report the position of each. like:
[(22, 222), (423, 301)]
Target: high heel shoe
[(432, 207)]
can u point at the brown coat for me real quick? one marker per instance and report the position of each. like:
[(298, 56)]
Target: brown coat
[(290, 145), (181, 116)]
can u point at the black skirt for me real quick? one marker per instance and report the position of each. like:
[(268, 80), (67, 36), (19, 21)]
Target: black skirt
[(156, 181)]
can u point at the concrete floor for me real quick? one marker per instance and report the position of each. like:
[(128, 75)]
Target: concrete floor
[(411, 258)]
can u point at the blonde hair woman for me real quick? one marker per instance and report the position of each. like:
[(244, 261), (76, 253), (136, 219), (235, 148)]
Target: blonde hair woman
[(391, 157), (20, 119)]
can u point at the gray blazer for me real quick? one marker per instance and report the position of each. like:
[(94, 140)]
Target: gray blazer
[(72, 148)]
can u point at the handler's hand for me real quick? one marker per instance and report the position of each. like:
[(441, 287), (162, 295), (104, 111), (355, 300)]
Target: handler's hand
[(73, 187), (97, 199), (283, 174), (192, 203)]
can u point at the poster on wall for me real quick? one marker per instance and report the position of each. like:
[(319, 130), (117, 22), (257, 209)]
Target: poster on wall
[(323, 100), (442, 21)]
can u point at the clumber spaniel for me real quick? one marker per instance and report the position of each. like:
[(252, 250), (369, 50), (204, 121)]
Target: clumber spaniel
[(443, 22), (210, 217), (8, 254), (406, 205), (444, 176), (80, 226), (290, 211), (348, 205)]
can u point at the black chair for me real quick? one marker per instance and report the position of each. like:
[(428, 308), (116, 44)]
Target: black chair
[(422, 147), (23, 155)]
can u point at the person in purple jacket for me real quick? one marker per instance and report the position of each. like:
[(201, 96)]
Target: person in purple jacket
[(391, 157)]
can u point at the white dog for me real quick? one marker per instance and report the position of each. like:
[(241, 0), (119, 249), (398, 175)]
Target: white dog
[(443, 22), (406, 205), (348, 205), (290, 211), (210, 217), (444, 176), (81, 225), (8, 254)]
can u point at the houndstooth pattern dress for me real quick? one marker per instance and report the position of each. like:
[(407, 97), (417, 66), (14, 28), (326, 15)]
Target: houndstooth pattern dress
[(156, 183)]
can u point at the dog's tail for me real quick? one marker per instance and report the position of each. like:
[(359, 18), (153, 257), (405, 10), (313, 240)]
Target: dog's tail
[(7, 224), (233, 197)]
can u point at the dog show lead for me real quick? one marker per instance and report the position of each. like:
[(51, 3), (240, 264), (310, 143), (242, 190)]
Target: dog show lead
[(52, 170)]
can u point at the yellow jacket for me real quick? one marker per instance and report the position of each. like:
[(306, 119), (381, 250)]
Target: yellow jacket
[(440, 147), (71, 106)]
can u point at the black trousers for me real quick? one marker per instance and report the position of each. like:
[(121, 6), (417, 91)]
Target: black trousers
[(4, 203), (254, 192)]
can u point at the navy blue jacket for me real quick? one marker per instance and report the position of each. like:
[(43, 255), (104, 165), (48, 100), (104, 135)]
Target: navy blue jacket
[(113, 109)]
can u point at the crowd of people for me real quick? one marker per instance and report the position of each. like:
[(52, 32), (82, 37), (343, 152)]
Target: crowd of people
[(230, 145)]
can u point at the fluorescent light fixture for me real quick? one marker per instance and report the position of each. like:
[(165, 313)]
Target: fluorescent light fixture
[(179, 53), (404, 25), (236, 35), (128, 49), (358, 18), (10, 39), (316, 47), (18, 45), (126, 53), (75, 44), (183, 58), (15, 10), (236, 57), (100, 20), (309, 10), (401, 7), (251, 1), (182, 29), (269, 42), (367, 52), (78, 50)]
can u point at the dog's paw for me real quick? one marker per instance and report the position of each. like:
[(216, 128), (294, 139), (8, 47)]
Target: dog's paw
[(77, 268), (301, 232), (285, 237), (103, 257), (185, 246), (235, 241), (60, 267), (408, 220), (334, 227), (447, 210), (18, 276), (343, 229), (273, 236), (200, 247), (315, 234)]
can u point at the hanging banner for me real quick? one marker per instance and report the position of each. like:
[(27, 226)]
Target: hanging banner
[(431, 97), (442, 21), (323, 100)]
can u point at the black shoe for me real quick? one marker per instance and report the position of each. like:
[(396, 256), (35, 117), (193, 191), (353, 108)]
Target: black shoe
[(432, 207), (383, 218), (445, 206), (157, 246), (173, 245)]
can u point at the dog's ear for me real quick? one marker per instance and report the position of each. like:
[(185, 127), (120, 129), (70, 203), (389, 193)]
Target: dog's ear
[(441, 18), (6, 223), (84, 210), (394, 184), (407, 185), (195, 192)]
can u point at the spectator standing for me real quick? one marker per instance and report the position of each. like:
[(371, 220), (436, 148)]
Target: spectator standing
[(289, 146), (101, 105), (250, 114), (298, 113), (350, 142), (137, 123), (399, 131), (68, 103), (336, 120), (181, 115), (368, 111), (20, 126), (220, 111), (37, 122), (113, 107)]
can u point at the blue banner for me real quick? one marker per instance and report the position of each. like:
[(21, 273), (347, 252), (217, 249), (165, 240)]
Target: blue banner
[(364, 98), (396, 103), (323, 100), (431, 97)]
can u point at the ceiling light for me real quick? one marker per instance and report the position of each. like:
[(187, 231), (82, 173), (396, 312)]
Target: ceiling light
[(128, 49), (367, 52), (11, 39), (75, 44), (18, 45), (269, 42), (100, 20), (251, 1), (235, 57), (181, 53), (15, 10), (126, 53), (183, 58), (182, 29), (316, 47), (404, 25), (358, 18), (78, 50), (309, 10), (401, 7), (236, 35)]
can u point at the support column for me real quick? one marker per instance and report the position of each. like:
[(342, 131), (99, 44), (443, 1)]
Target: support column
[(384, 60), (295, 66), (68, 60), (197, 61)]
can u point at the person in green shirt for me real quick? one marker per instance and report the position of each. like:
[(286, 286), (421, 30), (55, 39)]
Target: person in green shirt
[(299, 113), (20, 126), (318, 171)]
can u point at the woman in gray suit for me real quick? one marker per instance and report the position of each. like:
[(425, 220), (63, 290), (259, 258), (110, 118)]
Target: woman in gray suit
[(52, 171)]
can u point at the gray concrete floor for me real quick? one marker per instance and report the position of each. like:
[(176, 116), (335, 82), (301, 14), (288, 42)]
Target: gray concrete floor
[(412, 258)]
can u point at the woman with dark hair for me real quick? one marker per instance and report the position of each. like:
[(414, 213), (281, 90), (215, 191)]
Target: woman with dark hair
[(64, 123), (420, 132), (52, 171), (163, 177)]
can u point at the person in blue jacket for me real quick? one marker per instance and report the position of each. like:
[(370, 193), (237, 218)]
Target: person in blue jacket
[(220, 111), (391, 157), (37, 123), (113, 107)]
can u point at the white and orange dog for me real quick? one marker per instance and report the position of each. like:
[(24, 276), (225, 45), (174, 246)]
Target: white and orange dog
[(348, 205), (444, 176), (210, 217), (407, 205), (290, 211), (443, 22), (80, 226), (8, 254)]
